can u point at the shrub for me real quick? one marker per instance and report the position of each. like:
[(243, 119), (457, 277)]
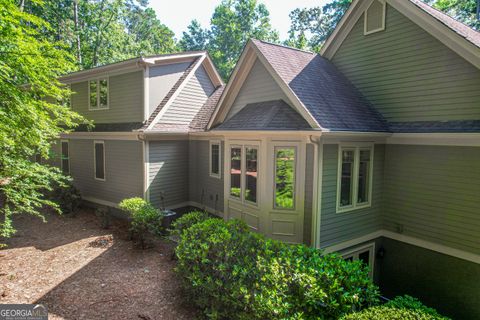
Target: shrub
[(144, 217), (411, 303), (188, 220), (390, 313), (233, 273), (67, 196)]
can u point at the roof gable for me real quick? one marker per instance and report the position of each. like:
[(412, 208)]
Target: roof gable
[(455, 35)]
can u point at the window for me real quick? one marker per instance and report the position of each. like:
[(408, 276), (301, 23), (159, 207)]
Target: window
[(215, 159), (364, 254), (65, 157), (285, 177), (374, 20), (99, 160), (244, 173), (355, 166), (98, 94)]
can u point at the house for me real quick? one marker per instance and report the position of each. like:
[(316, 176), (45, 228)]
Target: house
[(370, 149)]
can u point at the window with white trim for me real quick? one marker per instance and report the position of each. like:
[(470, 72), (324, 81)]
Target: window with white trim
[(244, 173), (365, 254), (99, 160), (374, 20), (215, 152), (98, 94), (355, 174), (65, 156)]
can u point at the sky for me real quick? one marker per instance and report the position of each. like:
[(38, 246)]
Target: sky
[(177, 14)]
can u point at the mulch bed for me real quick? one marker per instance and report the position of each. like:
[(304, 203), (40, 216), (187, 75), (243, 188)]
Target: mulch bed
[(81, 271)]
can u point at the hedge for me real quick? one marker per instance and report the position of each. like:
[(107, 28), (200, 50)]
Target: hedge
[(390, 313), (232, 273)]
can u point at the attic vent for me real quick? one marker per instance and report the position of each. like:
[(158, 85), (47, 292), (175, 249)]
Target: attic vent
[(375, 17)]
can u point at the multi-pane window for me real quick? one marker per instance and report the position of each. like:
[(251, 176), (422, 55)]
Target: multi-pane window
[(364, 254), (354, 177), (215, 159), (244, 173), (99, 160), (285, 177), (65, 157), (98, 94)]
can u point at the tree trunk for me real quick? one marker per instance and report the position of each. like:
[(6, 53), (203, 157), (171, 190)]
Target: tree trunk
[(77, 32), (21, 5)]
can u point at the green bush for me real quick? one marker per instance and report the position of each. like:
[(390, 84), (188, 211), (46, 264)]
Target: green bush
[(411, 303), (188, 220), (67, 196), (233, 273), (390, 313), (144, 217)]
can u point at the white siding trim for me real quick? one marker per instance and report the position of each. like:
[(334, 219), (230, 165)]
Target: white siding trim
[(317, 193), (146, 92), (457, 253), (436, 139), (100, 201), (146, 170)]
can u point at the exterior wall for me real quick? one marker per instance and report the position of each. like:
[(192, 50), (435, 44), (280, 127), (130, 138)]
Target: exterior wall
[(161, 80), (307, 215), (408, 74), (125, 99), (190, 100), (258, 86), (204, 189), (433, 193), (123, 169), (446, 283), (168, 172), (340, 227)]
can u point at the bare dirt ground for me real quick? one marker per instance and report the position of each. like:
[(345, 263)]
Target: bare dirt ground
[(81, 271)]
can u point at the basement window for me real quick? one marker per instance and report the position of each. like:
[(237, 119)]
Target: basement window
[(375, 17), (355, 174), (365, 254)]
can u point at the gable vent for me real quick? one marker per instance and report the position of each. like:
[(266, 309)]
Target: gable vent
[(375, 17)]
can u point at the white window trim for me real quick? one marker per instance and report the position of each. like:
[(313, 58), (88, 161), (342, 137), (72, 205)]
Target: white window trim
[(219, 174), (68, 154), (384, 10), (354, 252), (95, 142), (357, 146), (98, 107), (275, 148), (243, 146)]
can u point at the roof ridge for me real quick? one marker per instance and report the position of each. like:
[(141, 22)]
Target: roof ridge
[(284, 46), (169, 94)]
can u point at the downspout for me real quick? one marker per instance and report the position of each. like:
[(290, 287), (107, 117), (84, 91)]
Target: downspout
[(317, 190)]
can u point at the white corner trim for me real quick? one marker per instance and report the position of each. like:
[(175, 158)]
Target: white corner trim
[(146, 168), (166, 107), (440, 248), (146, 92)]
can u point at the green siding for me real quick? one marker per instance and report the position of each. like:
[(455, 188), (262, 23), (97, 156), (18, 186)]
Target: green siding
[(339, 227), (433, 193), (125, 95), (409, 75), (446, 283)]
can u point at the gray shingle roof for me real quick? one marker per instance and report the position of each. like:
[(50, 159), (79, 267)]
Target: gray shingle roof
[(268, 115), (461, 29), (327, 94)]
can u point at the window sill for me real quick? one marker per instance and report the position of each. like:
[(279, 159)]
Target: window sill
[(216, 176), (350, 209), (95, 109), (98, 179)]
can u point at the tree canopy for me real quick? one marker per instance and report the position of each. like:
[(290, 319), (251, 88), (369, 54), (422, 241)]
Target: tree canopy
[(33, 111)]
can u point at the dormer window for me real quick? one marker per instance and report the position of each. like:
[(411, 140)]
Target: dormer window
[(375, 17), (98, 94)]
